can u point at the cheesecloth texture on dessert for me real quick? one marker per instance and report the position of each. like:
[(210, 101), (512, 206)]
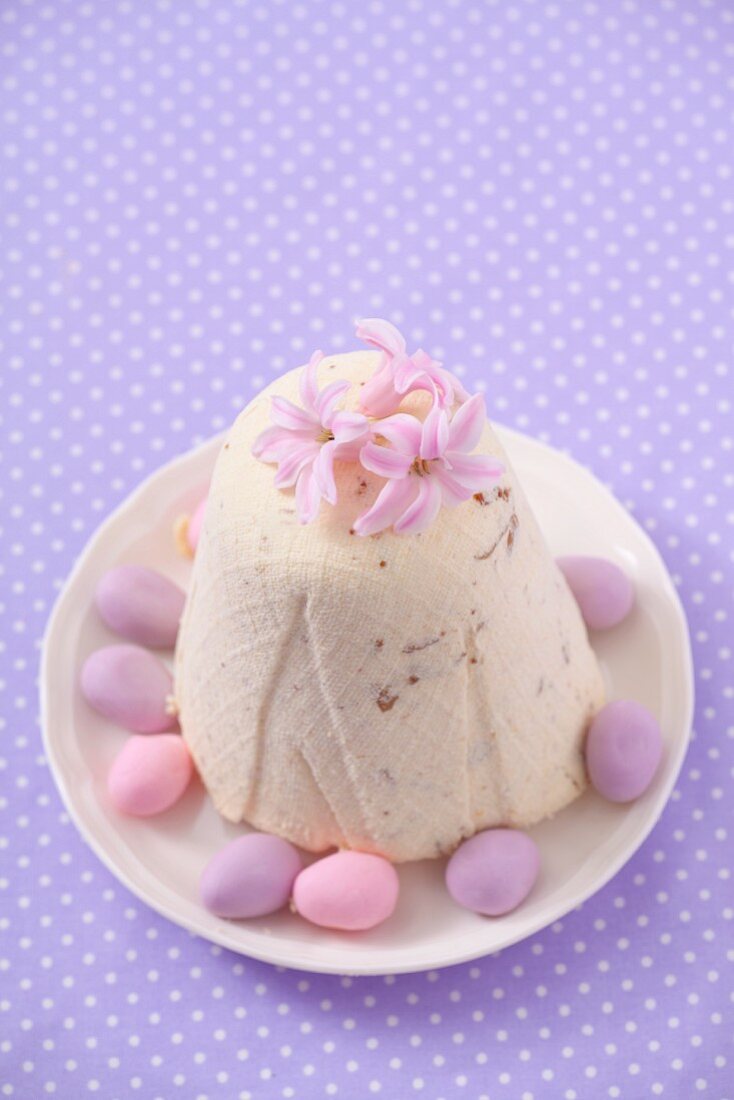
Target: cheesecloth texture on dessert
[(393, 694)]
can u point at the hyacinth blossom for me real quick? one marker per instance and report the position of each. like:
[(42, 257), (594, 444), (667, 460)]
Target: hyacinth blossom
[(426, 464), (400, 373), (305, 441)]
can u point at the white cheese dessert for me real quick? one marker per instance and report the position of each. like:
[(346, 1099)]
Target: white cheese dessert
[(386, 692)]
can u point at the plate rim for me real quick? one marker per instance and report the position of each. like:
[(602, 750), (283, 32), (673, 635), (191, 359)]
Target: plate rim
[(220, 933)]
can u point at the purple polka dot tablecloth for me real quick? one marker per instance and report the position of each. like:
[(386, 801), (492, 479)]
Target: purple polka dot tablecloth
[(193, 196)]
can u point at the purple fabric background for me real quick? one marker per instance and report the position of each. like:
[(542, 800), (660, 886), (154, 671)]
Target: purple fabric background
[(193, 197)]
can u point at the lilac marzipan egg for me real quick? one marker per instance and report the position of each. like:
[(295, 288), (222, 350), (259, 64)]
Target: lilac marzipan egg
[(250, 877), (141, 605), (604, 593), (130, 686), (351, 891), (624, 747), (493, 872), (194, 526), (150, 774)]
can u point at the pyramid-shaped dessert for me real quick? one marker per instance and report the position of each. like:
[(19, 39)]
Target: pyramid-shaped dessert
[(407, 666)]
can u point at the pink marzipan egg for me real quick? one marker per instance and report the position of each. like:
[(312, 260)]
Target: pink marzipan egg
[(141, 605), (493, 872), (624, 747), (150, 774), (604, 593), (250, 877), (194, 528), (130, 686), (351, 891)]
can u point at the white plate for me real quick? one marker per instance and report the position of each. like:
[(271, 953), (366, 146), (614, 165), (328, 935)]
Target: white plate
[(160, 859)]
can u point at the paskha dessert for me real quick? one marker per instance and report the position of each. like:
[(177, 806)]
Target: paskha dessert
[(378, 651)]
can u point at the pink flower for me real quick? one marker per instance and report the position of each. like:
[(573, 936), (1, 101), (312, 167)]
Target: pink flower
[(428, 464), (305, 441), (400, 373)]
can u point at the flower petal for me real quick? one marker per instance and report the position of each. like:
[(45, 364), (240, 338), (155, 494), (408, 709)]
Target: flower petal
[(452, 492), (424, 361), (269, 442), (403, 431), (328, 398), (424, 509), (475, 472), (347, 426), (287, 415), (323, 471), (308, 387), (467, 424), (381, 334), (434, 434), (420, 372), (461, 393), (384, 461), (349, 452), (378, 396), (292, 461), (308, 497), (391, 502), (410, 375)]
